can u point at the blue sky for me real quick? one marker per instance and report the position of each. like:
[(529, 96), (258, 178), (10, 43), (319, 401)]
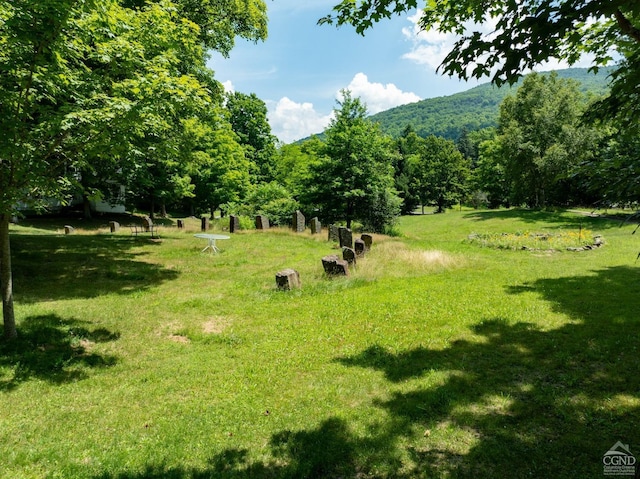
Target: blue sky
[(300, 69)]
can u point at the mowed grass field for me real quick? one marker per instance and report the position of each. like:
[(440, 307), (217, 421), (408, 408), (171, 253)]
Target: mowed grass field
[(437, 357)]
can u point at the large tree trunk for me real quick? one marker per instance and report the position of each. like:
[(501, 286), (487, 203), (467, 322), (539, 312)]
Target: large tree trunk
[(86, 206), (6, 283), (152, 208)]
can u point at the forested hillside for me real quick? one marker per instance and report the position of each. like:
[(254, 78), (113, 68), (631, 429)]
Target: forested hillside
[(472, 110)]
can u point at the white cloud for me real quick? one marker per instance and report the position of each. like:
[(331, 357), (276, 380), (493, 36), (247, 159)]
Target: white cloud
[(377, 96), (228, 86), (430, 48), (291, 121), (427, 47)]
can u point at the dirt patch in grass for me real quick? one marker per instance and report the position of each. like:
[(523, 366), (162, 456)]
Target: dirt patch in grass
[(177, 338), (215, 325)]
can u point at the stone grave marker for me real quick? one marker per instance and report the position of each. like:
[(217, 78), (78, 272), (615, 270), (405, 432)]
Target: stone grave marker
[(334, 233), (368, 241), (262, 222), (204, 223), (68, 229), (316, 226), (114, 226), (299, 224), (346, 237), (180, 224), (288, 279), (359, 247), (334, 266), (349, 255), (234, 223), (147, 223)]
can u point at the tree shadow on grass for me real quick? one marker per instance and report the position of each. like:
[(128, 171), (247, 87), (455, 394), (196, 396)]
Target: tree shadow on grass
[(52, 349), (517, 401), (527, 402), (328, 451), (57, 222), (84, 266)]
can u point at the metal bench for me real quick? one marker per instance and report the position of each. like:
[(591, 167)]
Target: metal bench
[(146, 227)]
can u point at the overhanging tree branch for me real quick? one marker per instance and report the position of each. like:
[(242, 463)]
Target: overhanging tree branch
[(626, 26)]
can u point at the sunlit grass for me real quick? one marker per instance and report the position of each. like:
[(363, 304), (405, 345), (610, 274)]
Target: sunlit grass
[(434, 358)]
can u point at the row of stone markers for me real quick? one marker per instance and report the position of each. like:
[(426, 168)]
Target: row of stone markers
[(289, 279), (351, 250), (299, 224), (262, 223)]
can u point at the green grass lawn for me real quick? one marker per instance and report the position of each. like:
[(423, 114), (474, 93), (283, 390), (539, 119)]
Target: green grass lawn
[(438, 357)]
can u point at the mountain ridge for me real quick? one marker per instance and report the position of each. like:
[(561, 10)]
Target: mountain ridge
[(473, 109)]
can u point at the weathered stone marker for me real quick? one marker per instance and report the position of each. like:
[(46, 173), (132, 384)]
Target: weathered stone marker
[(368, 241), (234, 223), (262, 222), (147, 223), (334, 233), (299, 224), (288, 279), (349, 255), (334, 266), (346, 237), (204, 223), (359, 247), (180, 224), (68, 229), (316, 226), (114, 226)]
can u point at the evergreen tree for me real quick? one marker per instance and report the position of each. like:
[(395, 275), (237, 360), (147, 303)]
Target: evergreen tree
[(354, 178)]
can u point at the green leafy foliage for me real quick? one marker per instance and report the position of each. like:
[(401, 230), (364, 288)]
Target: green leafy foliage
[(438, 172), (526, 33), (97, 92), (248, 118), (218, 167), (355, 170), (220, 21), (270, 199), (541, 140)]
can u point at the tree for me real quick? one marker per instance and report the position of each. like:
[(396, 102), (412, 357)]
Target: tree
[(38, 93), (294, 162), (248, 118), (526, 34), (80, 76), (273, 200), (220, 21), (408, 146), (355, 172), (614, 176), (218, 169), (439, 173), (541, 140), (488, 177)]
